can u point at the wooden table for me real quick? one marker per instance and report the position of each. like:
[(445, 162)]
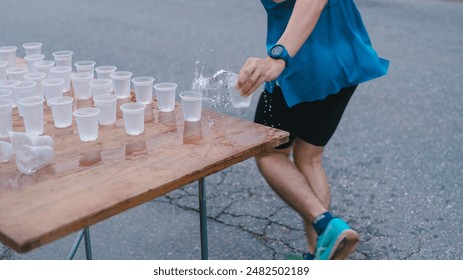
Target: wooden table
[(90, 182)]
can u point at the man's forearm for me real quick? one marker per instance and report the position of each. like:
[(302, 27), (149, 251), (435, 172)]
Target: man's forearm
[(301, 24)]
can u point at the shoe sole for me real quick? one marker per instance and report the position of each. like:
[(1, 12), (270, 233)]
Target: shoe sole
[(345, 245)]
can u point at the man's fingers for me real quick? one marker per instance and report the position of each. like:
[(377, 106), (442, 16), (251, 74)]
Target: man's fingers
[(255, 86)]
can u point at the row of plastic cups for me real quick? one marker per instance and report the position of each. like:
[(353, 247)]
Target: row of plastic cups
[(35, 62), (33, 51), (31, 109), (89, 118), (17, 72), (22, 73), (35, 86), (8, 53), (37, 65)]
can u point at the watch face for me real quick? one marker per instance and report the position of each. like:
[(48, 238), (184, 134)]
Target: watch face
[(277, 50)]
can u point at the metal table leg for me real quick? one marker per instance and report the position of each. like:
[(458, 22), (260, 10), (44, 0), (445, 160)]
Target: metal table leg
[(203, 219), (84, 233)]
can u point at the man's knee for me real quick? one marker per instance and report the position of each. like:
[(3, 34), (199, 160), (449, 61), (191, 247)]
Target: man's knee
[(269, 157)]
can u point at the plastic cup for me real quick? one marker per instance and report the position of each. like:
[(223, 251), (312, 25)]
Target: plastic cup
[(134, 117), (44, 66), (17, 72), (19, 139), (52, 87), (81, 85), (85, 66), (107, 105), (104, 72), (62, 72), (32, 48), (32, 112), (237, 100), (165, 95), (3, 66), (191, 105), (6, 151), (100, 87), (23, 89), (37, 77), (31, 59), (61, 109), (121, 83), (31, 159), (87, 123), (6, 118), (8, 53), (63, 58), (6, 93), (9, 84), (143, 87)]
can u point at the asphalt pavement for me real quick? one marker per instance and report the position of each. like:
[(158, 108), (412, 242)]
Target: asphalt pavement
[(395, 164)]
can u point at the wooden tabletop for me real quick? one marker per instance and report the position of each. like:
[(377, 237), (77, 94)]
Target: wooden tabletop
[(90, 182)]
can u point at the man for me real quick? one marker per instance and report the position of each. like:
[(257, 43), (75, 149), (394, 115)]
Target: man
[(318, 52)]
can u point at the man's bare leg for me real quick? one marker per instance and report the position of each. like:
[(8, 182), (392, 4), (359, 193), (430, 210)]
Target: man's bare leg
[(290, 183), (308, 159)]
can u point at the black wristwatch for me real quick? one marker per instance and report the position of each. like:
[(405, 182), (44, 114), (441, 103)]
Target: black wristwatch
[(279, 52)]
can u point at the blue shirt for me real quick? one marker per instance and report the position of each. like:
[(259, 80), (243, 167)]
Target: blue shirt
[(337, 54)]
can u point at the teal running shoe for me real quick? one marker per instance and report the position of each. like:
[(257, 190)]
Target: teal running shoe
[(337, 242)]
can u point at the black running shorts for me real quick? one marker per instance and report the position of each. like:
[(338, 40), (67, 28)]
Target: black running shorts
[(314, 122)]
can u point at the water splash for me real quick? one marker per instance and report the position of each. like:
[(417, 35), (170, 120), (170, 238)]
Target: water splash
[(213, 89)]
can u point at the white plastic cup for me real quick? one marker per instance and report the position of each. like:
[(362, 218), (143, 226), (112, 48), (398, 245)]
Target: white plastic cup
[(19, 139), (6, 93), (32, 48), (100, 86), (37, 77), (85, 66), (32, 112), (31, 59), (191, 106), (87, 123), (81, 85), (104, 72), (6, 118), (143, 87), (30, 159), (6, 151), (121, 83), (17, 72), (3, 66), (61, 109), (237, 100), (165, 95), (134, 117), (44, 66), (9, 84), (62, 72), (107, 105), (52, 87), (23, 89), (63, 58), (8, 53)]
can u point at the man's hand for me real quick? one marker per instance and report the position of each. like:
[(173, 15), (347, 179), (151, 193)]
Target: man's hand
[(256, 71)]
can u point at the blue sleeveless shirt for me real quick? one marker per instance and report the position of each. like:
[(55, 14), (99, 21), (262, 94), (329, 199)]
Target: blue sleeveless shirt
[(337, 54)]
